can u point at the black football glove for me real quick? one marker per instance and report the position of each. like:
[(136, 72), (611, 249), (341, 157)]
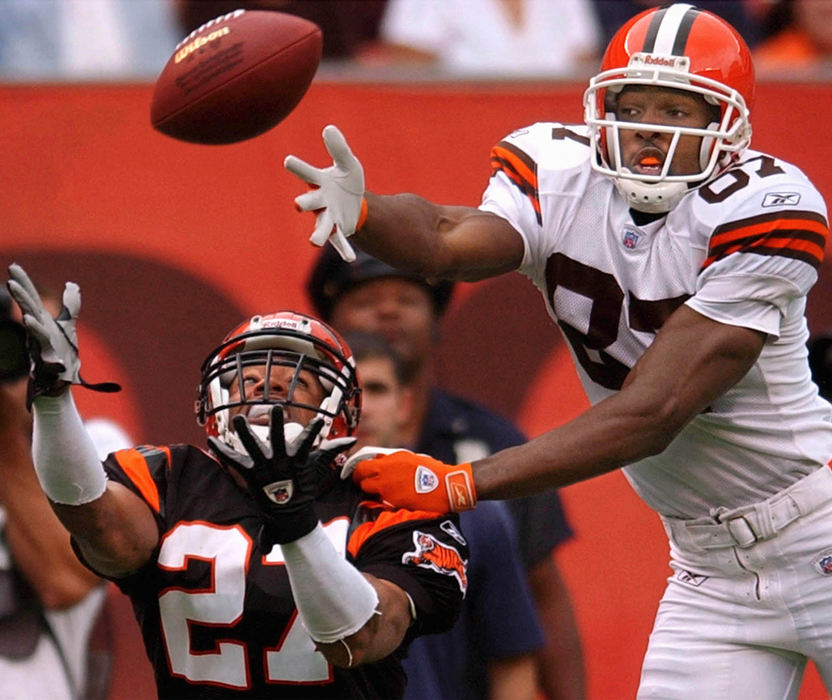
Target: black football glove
[(282, 478)]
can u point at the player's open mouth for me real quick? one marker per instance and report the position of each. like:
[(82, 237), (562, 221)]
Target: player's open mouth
[(648, 163), (259, 415)]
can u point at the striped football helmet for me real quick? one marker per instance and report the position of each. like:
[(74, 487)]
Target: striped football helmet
[(282, 339), (679, 47)]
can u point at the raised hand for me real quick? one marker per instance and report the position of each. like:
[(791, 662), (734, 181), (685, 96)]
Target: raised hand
[(413, 481), (281, 476), (336, 195), (52, 342)]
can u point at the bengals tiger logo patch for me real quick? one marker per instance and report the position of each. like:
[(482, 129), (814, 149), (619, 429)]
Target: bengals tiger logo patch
[(430, 553)]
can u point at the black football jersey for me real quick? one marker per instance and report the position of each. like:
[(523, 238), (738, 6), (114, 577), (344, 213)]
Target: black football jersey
[(216, 611)]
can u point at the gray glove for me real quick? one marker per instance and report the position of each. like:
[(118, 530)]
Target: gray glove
[(52, 342), (336, 195)]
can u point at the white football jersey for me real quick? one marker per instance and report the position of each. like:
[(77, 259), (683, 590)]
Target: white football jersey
[(743, 249)]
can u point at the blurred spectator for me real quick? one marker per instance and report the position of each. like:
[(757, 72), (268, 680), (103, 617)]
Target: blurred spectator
[(386, 400), (83, 40), (741, 14), (53, 625), (370, 296), (346, 25), (538, 38), (799, 36), (820, 363), (490, 652)]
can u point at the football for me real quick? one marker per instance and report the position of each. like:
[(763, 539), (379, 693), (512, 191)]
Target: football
[(236, 77)]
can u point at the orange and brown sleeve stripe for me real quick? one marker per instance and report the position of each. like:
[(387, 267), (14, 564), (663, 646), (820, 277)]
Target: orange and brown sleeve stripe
[(520, 169), (793, 234), (135, 466), (386, 518)]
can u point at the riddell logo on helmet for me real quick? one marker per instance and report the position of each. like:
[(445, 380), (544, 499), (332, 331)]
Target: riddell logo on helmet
[(677, 63), (659, 60), (286, 323)]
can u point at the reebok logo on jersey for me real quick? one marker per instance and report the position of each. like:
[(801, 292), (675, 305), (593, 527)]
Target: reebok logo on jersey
[(687, 577), (781, 199), (426, 480), (823, 562), (430, 553), (450, 529)]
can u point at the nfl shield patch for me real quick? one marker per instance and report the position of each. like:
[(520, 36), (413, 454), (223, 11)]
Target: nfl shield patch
[(631, 239), (280, 491), (823, 562), (426, 480)]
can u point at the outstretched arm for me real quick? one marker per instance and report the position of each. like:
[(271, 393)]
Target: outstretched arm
[(38, 542), (440, 242), (692, 362), (404, 230), (114, 527)]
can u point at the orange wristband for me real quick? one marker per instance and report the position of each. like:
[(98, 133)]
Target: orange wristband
[(362, 216), (460, 487)]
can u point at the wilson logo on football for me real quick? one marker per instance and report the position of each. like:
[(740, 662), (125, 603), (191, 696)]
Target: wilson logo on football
[(199, 42), (430, 553)]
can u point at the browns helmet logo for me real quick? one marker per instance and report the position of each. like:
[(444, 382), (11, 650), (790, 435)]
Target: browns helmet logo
[(430, 553)]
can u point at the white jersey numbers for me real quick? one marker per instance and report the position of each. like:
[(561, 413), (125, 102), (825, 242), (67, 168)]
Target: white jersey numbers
[(228, 551)]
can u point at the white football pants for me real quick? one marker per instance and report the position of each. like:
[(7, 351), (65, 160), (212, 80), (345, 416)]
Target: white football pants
[(749, 602)]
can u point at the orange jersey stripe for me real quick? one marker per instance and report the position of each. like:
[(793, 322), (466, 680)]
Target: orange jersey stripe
[(754, 226), (134, 465), (797, 234), (520, 169), (386, 518)]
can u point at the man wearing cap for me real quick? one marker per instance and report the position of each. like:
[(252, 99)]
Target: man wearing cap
[(369, 295)]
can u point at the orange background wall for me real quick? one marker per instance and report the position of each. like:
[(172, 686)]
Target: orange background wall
[(173, 243)]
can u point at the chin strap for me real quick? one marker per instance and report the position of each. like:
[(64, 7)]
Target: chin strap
[(651, 198)]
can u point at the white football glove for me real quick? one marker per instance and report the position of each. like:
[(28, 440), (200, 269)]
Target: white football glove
[(336, 195), (53, 342)]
